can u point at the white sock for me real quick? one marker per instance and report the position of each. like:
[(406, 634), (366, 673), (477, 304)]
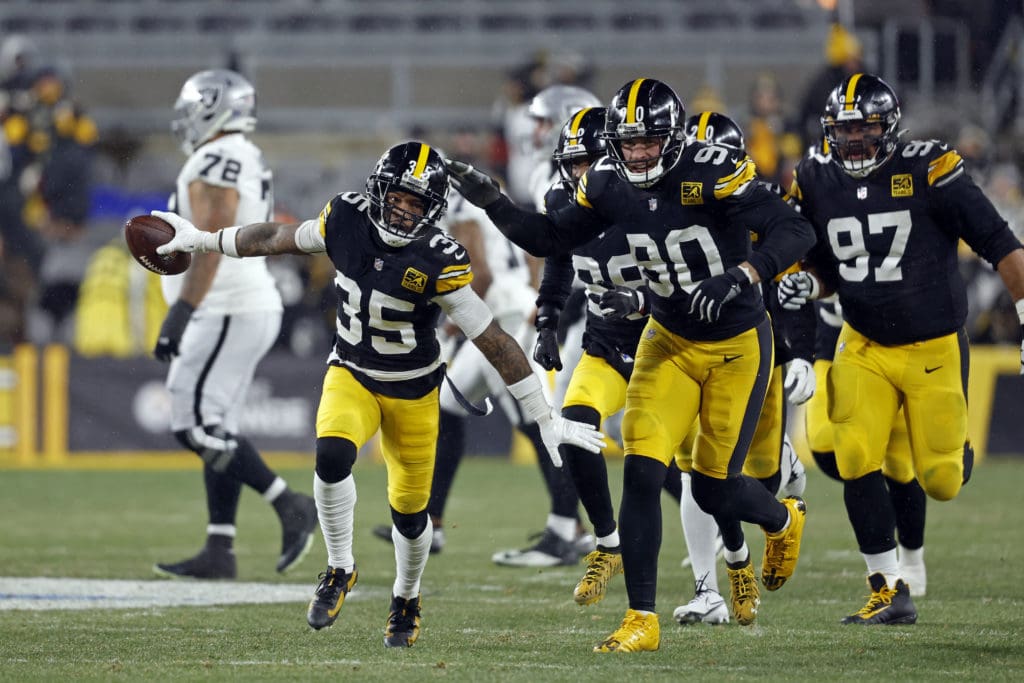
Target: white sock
[(885, 564), (700, 531), (335, 506), (276, 488), (734, 556), (610, 541), (410, 560), (220, 530), (910, 558), (565, 527)]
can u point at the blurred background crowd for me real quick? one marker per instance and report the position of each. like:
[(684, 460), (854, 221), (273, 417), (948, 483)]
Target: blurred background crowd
[(87, 86)]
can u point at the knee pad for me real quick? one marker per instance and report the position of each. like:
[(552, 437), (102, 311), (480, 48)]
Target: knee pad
[(826, 462), (334, 458), (410, 526), (581, 413), (943, 480), (211, 443)]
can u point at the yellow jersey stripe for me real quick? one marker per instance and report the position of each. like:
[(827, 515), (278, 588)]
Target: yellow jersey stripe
[(851, 88), (323, 219), (733, 183), (702, 126), (455, 281), (634, 92), (944, 166), (581, 194), (453, 268), (574, 129), (421, 162)]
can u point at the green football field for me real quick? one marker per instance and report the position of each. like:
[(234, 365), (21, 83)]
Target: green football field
[(480, 621)]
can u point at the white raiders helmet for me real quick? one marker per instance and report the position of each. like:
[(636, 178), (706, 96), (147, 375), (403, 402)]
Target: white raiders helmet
[(213, 102)]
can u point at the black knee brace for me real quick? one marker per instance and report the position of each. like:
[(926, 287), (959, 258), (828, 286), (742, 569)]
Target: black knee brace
[(334, 458), (410, 526)]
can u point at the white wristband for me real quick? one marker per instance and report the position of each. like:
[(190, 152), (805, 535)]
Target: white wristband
[(226, 242), (530, 394), (1020, 310)]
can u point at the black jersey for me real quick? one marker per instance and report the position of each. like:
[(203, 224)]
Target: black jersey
[(605, 260), (386, 329), (691, 225), (887, 243)]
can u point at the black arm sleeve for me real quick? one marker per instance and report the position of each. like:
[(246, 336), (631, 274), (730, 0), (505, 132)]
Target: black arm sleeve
[(556, 283), (544, 235), (785, 235)]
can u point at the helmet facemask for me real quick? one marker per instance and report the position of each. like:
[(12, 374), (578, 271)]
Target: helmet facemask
[(396, 225)]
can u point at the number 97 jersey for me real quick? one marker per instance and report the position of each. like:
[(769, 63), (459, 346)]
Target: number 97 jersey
[(888, 242), (386, 330)]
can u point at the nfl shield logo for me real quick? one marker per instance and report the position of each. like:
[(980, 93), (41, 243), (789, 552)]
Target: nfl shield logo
[(378, 263), (652, 203), (862, 193)]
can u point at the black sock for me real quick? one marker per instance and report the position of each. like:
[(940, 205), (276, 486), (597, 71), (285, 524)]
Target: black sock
[(908, 503), (451, 445), (640, 529), (222, 494)]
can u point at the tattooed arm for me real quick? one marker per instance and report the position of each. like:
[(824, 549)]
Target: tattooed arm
[(502, 352)]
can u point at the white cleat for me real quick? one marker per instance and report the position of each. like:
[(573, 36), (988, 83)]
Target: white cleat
[(707, 606), (796, 475)]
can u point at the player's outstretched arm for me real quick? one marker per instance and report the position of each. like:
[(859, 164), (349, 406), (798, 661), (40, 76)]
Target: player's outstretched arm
[(255, 239)]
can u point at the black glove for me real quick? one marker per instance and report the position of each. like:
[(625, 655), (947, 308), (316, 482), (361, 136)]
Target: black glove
[(707, 299), (170, 332), (545, 352), (477, 187), (618, 302)]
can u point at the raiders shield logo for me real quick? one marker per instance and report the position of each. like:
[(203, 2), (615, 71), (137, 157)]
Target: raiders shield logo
[(414, 280), (903, 185), (692, 193)]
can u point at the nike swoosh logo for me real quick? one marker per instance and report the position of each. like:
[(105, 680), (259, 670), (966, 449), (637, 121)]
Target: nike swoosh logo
[(460, 254), (929, 371), (729, 359)]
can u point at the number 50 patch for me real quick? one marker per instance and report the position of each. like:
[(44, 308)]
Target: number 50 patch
[(414, 280)]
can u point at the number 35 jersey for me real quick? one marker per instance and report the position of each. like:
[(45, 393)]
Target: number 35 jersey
[(240, 285), (888, 242), (386, 329)]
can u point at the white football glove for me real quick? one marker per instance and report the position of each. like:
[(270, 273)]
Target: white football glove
[(555, 430), (796, 289), (1020, 314), (187, 237), (800, 381)]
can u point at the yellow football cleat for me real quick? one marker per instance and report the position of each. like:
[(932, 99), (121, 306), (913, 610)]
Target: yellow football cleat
[(639, 633), (744, 593), (782, 549), (601, 567)]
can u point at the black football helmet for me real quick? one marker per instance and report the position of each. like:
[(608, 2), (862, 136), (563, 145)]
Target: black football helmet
[(411, 167), (645, 108), (579, 140), (715, 128), (862, 99)]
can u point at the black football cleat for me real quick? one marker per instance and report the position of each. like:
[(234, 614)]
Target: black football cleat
[(209, 563), (329, 596), (298, 525), (403, 627), (891, 606)]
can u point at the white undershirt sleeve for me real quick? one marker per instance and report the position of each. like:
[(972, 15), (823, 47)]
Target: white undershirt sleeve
[(467, 310), (308, 237)]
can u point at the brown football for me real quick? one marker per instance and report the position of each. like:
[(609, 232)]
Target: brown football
[(144, 234)]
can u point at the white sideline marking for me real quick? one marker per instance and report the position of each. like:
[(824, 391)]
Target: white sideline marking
[(33, 593)]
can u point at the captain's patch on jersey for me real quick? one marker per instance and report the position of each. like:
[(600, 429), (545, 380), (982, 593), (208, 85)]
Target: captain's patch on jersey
[(903, 185), (692, 193), (414, 280)]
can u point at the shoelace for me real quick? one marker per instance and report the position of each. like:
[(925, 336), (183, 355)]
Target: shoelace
[(404, 619), (600, 564), (329, 581), (700, 586), (742, 583), (882, 598)]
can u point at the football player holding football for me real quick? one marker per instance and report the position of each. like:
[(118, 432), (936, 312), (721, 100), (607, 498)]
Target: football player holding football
[(706, 350), (395, 274), (224, 316), (889, 216)]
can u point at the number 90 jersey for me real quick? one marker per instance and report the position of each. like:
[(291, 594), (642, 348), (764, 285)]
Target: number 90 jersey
[(387, 314), (887, 243)]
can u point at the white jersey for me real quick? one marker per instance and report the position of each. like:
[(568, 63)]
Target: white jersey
[(240, 285)]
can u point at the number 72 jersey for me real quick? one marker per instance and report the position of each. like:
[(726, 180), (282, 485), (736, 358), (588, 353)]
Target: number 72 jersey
[(888, 242)]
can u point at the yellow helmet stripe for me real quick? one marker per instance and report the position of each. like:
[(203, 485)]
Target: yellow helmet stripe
[(634, 91), (851, 88), (574, 129), (702, 125), (421, 163)]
